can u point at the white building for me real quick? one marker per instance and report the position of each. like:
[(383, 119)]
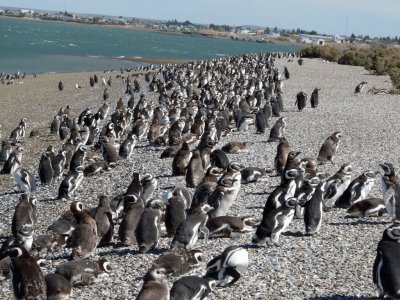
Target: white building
[(315, 39)]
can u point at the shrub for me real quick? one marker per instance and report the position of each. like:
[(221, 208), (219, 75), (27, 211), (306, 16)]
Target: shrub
[(327, 52)]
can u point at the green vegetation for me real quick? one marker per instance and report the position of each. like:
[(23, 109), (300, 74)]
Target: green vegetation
[(381, 60)]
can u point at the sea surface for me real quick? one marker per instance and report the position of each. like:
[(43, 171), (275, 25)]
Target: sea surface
[(36, 46)]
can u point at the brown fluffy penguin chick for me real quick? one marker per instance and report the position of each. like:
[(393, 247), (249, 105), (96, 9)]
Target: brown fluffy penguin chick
[(328, 148), (236, 147), (228, 224), (282, 153), (194, 170), (180, 261), (132, 212), (84, 238), (58, 287), (153, 288), (102, 214), (181, 160)]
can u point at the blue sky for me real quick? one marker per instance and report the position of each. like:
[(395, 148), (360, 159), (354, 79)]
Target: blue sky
[(372, 17)]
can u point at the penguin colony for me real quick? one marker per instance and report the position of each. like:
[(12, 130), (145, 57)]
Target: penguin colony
[(200, 106)]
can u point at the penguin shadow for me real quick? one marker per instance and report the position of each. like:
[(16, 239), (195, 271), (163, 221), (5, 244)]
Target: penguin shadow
[(360, 222), (296, 234), (341, 297), (255, 207), (163, 176), (119, 250), (253, 246), (8, 193)]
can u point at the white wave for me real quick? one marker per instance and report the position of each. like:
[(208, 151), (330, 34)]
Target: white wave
[(72, 45), (220, 54)]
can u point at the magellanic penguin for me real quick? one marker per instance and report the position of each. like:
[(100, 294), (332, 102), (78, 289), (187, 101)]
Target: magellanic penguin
[(147, 230), (228, 224), (315, 98), (357, 190), (84, 239), (301, 100), (275, 222), (180, 261), (58, 287), (181, 160), (26, 276), (46, 172), (133, 209), (19, 132), (188, 231), (153, 287), (281, 157), (251, 174), (6, 150), (194, 170), (102, 215), (337, 184), (127, 146), (55, 125), (60, 86), (97, 167), (278, 130), (367, 208), (392, 200), (83, 272), (58, 164), (109, 151), (25, 181), (13, 162), (219, 159), (329, 148), (226, 267), (175, 214), (313, 210), (192, 287), (236, 147), (24, 213), (78, 158), (385, 270), (360, 87), (149, 184), (388, 176), (70, 183)]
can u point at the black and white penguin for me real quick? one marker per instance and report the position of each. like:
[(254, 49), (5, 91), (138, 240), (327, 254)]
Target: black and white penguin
[(149, 184), (251, 174), (279, 100), (329, 148), (236, 147), (180, 261), (26, 276), (281, 157), (83, 272), (286, 73), (25, 181), (194, 170), (70, 183), (181, 160), (153, 287), (367, 208), (360, 87), (55, 125), (187, 233), (275, 222), (313, 210), (24, 213), (13, 162), (226, 267), (84, 239), (106, 94), (91, 81), (392, 200), (60, 86), (58, 164), (102, 215), (58, 287), (228, 224), (135, 187), (388, 176), (97, 167), (6, 150), (385, 270), (147, 230), (275, 107), (219, 159), (337, 184), (278, 130), (357, 190), (46, 172), (175, 214), (191, 288), (133, 209), (127, 146), (78, 158), (314, 100), (301, 100)]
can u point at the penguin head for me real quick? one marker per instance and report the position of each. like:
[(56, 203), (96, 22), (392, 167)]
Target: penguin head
[(194, 256), (291, 202), (291, 173), (76, 206), (392, 233), (337, 135), (155, 273), (249, 221), (105, 265), (346, 169), (387, 169)]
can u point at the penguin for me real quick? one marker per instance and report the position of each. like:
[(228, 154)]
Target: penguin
[(314, 100), (127, 146), (175, 214), (132, 212), (55, 125), (63, 130), (46, 172), (385, 272), (60, 86), (13, 162), (181, 160), (337, 184), (149, 185), (275, 222), (147, 230), (251, 174), (286, 73), (97, 167), (106, 94), (229, 224), (91, 81), (226, 267), (357, 190), (58, 164), (177, 263), (153, 287), (278, 130), (388, 175), (367, 208), (275, 107), (24, 213), (360, 87), (313, 210), (212, 174), (194, 170), (392, 200), (102, 215), (25, 181), (58, 287), (78, 158), (110, 154), (6, 150), (293, 162), (84, 238), (70, 183), (282, 153), (192, 287), (279, 100), (26, 276), (83, 272), (236, 147), (187, 233), (301, 100), (329, 148)]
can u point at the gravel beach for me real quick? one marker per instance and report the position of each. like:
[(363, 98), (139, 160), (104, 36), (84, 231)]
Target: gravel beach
[(336, 263)]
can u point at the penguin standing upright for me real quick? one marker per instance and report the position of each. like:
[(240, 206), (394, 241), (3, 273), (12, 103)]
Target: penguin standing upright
[(286, 72), (25, 181), (13, 162), (132, 212), (329, 148), (261, 121), (175, 214), (60, 86), (282, 153), (385, 270), (337, 184), (6, 150), (181, 160), (46, 172), (24, 214), (278, 130), (301, 100), (127, 146), (194, 170), (78, 158), (315, 98), (360, 87), (58, 164), (102, 215), (147, 230), (153, 287), (313, 210), (70, 183)]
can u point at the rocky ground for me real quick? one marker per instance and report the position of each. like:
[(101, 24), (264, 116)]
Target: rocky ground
[(334, 264)]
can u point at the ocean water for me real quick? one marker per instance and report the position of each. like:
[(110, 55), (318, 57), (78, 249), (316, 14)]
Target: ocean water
[(34, 46)]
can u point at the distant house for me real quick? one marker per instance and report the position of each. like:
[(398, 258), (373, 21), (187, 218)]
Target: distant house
[(341, 39), (315, 39), (1, 12)]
